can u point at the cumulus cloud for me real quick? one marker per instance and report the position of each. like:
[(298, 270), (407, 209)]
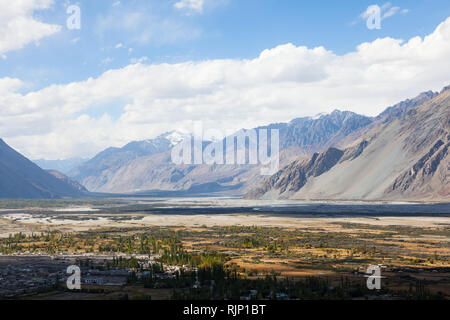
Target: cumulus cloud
[(8, 85), (141, 101), (18, 27)]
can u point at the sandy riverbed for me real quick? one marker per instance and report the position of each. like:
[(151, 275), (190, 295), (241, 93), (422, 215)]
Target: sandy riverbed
[(28, 223)]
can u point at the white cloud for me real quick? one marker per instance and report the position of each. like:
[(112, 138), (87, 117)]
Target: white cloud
[(119, 45), (8, 85), (280, 84), (18, 27), (386, 6), (389, 13), (192, 5)]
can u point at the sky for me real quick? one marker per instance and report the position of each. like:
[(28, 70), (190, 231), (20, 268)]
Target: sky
[(74, 84)]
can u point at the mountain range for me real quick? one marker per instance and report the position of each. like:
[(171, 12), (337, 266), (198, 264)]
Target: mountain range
[(400, 154), (144, 166)]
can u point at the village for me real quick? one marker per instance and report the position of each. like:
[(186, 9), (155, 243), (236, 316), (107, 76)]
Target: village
[(33, 274)]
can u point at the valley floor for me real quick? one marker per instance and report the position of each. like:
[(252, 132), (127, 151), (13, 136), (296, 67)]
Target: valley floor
[(166, 245)]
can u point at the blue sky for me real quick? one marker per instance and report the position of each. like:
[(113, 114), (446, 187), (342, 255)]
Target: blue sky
[(138, 68), (225, 29)]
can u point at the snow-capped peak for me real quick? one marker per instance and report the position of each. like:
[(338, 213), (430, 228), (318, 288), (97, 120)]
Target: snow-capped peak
[(175, 137)]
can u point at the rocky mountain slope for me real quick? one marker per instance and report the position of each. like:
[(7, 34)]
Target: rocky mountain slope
[(67, 180), (21, 178), (400, 108), (313, 134), (404, 157)]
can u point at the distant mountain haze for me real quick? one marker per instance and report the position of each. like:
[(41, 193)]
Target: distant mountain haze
[(63, 166), (21, 178)]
